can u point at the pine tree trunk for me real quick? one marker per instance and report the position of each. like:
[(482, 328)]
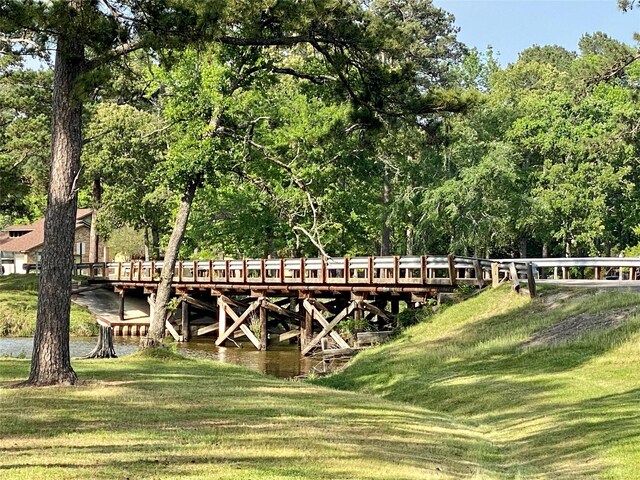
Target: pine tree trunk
[(163, 295), (94, 240), (147, 247), (155, 243), (409, 249), (385, 237), (522, 248), (51, 363)]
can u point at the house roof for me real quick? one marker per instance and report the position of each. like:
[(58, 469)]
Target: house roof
[(35, 237)]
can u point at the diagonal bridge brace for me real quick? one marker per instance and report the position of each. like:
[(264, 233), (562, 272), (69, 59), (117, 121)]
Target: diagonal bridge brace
[(224, 306), (317, 311)]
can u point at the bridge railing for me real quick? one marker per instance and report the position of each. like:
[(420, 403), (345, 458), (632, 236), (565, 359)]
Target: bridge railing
[(391, 270), (594, 268)]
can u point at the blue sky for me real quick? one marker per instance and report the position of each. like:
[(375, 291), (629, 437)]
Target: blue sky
[(510, 26)]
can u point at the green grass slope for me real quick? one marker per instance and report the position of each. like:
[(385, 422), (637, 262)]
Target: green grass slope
[(554, 398), (18, 305), (148, 417)]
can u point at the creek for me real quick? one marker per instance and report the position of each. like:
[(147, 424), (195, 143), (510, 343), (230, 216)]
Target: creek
[(282, 361)]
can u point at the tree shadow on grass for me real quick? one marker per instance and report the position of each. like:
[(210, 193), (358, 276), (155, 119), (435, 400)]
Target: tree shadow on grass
[(201, 419), (480, 372)]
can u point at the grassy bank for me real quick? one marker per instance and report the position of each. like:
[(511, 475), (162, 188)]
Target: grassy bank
[(18, 304), (142, 418), (499, 386), (553, 383)]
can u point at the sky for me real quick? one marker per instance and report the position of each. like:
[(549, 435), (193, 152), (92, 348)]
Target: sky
[(511, 26)]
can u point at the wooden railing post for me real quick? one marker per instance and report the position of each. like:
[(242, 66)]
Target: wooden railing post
[(346, 269), (282, 270), (495, 274), (396, 269), (531, 280)]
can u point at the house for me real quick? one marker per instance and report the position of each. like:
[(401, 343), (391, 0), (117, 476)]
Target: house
[(22, 244)]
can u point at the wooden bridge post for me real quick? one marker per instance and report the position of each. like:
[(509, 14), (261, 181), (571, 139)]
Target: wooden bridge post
[(357, 312), (264, 334), (495, 275), (121, 306), (186, 324), (222, 322), (531, 280), (395, 306), (306, 322)]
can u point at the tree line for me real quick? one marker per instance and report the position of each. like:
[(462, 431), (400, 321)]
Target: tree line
[(278, 128)]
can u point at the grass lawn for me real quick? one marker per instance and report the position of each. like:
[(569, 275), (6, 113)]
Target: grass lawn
[(18, 305), (499, 386), (140, 417), (563, 410)]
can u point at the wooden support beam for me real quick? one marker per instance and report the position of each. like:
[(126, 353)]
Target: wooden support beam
[(279, 310), (173, 331), (238, 321), (328, 327), (208, 329), (264, 338), (199, 304), (234, 302), (247, 331), (186, 324), (121, 306), (395, 306), (283, 337), (513, 274), (222, 321), (375, 310)]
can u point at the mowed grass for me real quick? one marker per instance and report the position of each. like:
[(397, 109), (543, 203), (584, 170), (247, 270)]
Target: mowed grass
[(566, 410), (139, 417), (19, 303), (461, 395)]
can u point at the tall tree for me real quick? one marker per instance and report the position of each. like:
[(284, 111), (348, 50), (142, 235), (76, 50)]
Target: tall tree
[(88, 36), (387, 58)]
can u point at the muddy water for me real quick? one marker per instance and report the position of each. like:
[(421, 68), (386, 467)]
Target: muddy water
[(280, 361)]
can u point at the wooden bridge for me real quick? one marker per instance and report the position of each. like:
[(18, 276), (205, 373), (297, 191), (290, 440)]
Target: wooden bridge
[(294, 299), (305, 299)]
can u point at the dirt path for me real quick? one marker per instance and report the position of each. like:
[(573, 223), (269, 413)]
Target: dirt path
[(571, 328)]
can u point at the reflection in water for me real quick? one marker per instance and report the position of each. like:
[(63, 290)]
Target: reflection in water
[(282, 361)]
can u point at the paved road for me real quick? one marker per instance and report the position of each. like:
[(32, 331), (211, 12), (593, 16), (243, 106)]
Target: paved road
[(104, 305), (613, 284)]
